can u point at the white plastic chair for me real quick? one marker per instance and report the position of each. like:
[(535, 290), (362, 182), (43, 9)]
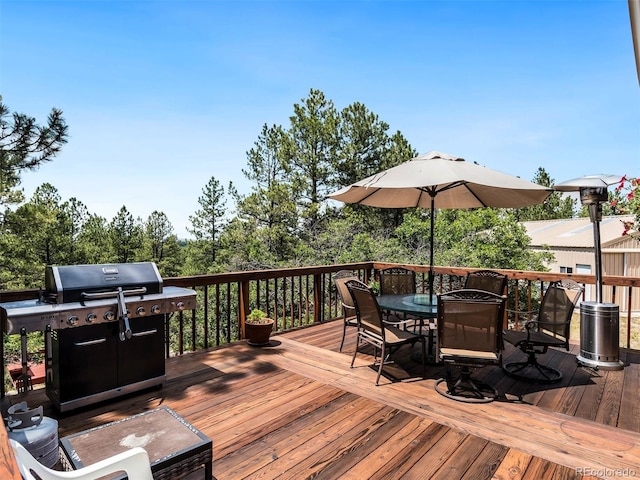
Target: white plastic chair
[(135, 462)]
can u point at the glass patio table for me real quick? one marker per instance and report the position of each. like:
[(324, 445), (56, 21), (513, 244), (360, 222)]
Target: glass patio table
[(422, 306)]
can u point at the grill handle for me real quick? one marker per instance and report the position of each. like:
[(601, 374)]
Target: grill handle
[(125, 331), (89, 342), (114, 294)]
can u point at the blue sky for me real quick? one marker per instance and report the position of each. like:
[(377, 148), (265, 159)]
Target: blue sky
[(161, 95)]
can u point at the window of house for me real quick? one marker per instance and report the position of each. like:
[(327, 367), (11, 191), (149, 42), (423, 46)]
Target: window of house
[(566, 269), (583, 268)]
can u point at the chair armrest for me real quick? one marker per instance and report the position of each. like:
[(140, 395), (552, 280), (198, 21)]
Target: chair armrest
[(348, 308), (134, 461), (399, 321)]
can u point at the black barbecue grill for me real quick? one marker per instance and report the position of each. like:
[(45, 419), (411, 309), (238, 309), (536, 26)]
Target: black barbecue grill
[(104, 329)]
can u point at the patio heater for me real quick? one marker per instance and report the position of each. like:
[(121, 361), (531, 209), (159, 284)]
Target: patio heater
[(599, 321)]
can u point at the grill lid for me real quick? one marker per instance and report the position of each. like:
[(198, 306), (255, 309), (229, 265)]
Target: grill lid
[(77, 283)]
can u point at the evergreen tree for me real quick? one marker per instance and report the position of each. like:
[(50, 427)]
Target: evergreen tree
[(208, 221), (94, 241), (270, 209), (161, 244), (314, 142), (125, 235), (24, 145), (362, 147), (72, 218)]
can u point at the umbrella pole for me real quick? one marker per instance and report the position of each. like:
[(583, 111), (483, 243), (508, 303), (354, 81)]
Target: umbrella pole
[(431, 248)]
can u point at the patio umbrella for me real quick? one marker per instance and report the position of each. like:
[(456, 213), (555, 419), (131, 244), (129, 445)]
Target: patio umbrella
[(438, 180)]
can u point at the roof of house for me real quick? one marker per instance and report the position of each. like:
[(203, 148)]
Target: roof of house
[(575, 232)]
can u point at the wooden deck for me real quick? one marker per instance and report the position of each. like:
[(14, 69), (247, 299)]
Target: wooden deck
[(296, 410)]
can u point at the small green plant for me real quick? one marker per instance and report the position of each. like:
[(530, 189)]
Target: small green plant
[(374, 285), (257, 317)]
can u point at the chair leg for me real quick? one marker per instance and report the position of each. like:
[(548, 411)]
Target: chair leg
[(344, 333), (381, 365), (532, 371), (423, 341), (466, 389), (355, 352)]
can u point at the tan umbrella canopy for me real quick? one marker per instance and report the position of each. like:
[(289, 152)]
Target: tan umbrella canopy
[(438, 180)]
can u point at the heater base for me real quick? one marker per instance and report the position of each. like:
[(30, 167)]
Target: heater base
[(600, 365)]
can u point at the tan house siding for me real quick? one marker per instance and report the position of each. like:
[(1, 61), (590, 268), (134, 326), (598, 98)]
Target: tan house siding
[(571, 242)]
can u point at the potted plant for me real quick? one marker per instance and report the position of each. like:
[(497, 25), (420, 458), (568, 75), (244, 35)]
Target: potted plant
[(257, 327)]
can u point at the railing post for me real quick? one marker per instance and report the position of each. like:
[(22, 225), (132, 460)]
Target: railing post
[(318, 297), (243, 307)]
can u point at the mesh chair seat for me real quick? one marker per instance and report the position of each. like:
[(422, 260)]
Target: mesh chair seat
[(461, 354)]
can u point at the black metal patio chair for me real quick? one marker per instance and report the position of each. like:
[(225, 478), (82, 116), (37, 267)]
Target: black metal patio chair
[(469, 337), (374, 331), (549, 326)]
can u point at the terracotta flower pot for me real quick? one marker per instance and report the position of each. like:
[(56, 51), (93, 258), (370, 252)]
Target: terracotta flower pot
[(258, 333)]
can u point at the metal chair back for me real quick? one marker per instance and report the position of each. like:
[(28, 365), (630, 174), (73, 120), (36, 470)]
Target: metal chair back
[(487, 280), (367, 308), (556, 309), (397, 281), (340, 280), (470, 326)]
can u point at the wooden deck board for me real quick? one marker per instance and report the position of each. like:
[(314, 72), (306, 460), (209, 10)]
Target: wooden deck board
[(487, 462), (457, 464), (513, 466), (629, 415), (296, 410)]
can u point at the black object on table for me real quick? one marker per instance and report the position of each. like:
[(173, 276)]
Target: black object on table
[(175, 447)]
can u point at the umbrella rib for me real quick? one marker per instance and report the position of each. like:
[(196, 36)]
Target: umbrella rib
[(474, 195), (373, 190), (433, 190)]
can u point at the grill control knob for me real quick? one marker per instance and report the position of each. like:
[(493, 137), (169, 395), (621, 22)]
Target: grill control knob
[(91, 318), (109, 316), (140, 311), (72, 320), (155, 309), (180, 305)]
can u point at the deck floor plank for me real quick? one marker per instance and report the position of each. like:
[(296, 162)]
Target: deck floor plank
[(487, 462), (630, 406), (429, 464), (513, 466), (611, 398), (457, 464)]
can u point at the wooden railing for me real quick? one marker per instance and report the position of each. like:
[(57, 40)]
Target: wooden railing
[(296, 297)]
